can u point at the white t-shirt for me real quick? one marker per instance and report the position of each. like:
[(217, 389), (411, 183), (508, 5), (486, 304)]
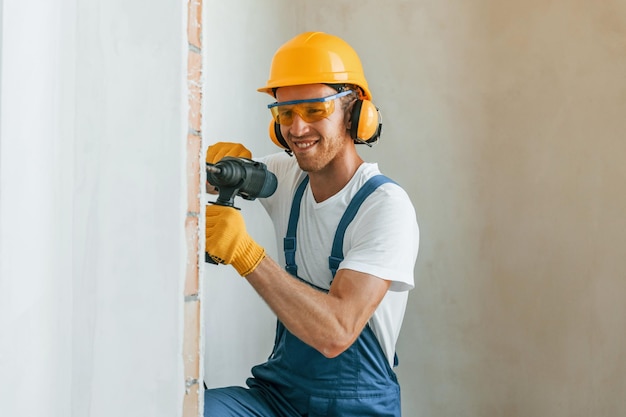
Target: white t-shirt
[(382, 240)]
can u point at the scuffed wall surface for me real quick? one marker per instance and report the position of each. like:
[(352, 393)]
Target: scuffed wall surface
[(192, 336)]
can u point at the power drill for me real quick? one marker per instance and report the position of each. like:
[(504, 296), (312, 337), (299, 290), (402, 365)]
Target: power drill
[(239, 176)]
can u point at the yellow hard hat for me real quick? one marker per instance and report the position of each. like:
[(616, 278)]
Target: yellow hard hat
[(316, 58)]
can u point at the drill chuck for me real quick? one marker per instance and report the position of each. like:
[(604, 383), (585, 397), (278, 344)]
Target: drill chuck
[(213, 169)]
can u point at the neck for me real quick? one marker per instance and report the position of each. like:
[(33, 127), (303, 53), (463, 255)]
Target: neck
[(331, 179)]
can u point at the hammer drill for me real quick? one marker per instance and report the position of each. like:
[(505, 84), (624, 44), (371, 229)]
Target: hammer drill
[(239, 176)]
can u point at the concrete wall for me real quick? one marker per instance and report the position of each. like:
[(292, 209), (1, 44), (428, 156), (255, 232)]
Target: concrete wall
[(92, 208), (505, 123)]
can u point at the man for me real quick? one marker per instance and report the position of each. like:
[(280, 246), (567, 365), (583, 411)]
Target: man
[(341, 297)]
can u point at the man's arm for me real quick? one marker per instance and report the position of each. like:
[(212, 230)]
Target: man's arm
[(329, 322)]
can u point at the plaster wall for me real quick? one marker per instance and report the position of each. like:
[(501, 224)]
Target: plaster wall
[(505, 123), (239, 328), (92, 208)]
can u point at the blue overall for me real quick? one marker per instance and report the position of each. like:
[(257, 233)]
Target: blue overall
[(297, 380)]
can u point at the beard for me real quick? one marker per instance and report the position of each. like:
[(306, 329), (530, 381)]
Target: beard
[(319, 153)]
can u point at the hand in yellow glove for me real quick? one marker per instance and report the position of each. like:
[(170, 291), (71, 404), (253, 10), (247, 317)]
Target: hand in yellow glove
[(228, 242), (219, 150)]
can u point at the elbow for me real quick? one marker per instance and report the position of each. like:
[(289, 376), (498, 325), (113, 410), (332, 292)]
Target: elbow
[(331, 354), (336, 346)]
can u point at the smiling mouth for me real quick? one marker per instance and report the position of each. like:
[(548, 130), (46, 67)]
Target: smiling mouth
[(304, 145)]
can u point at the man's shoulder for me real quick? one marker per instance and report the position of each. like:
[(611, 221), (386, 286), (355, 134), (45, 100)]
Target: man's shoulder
[(387, 189)]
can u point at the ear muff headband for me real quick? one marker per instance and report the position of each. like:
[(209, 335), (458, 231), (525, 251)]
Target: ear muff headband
[(366, 125)]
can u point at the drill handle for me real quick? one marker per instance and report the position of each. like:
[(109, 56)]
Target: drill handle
[(226, 196), (208, 259)]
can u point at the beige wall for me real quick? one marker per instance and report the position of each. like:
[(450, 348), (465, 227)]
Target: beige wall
[(505, 122)]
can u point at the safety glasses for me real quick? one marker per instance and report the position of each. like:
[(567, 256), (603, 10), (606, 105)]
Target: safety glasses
[(310, 110)]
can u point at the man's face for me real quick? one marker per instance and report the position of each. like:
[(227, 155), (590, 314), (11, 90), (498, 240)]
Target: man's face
[(318, 144)]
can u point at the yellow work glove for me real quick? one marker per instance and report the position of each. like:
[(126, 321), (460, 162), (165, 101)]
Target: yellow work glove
[(219, 150), (228, 242)]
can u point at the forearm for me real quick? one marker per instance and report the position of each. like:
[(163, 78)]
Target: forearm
[(324, 321)]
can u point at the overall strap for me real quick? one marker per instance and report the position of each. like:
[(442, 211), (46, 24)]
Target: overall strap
[(336, 254), (289, 242)]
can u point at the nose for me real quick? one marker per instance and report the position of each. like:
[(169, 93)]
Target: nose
[(299, 127)]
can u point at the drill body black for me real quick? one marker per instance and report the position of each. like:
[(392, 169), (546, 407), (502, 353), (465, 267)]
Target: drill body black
[(239, 176)]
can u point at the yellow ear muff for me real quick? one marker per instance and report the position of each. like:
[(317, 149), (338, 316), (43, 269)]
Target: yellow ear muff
[(276, 136), (366, 123)]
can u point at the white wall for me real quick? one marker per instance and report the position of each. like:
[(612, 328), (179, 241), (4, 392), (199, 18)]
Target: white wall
[(239, 328), (504, 122), (92, 208)]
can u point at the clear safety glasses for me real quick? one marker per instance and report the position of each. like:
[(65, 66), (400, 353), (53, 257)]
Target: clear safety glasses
[(310, 110)]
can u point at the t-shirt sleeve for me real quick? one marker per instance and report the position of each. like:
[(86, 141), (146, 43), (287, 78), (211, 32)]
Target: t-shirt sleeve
[(384, 238), (281, 165)]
